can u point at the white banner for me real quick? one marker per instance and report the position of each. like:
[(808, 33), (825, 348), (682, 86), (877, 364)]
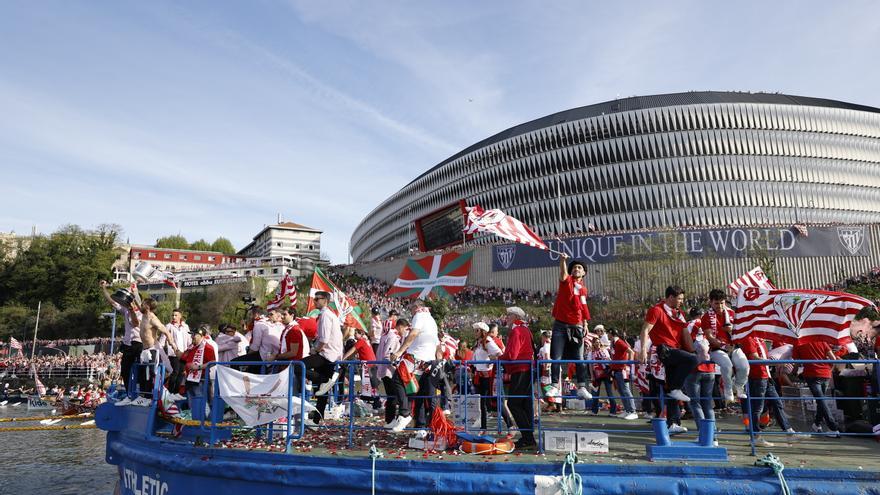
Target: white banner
[(257, 399)]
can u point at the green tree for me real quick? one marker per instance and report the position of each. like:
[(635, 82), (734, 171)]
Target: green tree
[(223, 245), (200, 245), (172, 242)]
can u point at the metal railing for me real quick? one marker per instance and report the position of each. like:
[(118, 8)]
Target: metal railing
[(297, 374)]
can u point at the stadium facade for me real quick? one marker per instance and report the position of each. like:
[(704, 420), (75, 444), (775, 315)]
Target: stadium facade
[(697, 160)]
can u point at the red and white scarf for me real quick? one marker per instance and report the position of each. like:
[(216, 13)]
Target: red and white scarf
[(674, 314), (198, 358)]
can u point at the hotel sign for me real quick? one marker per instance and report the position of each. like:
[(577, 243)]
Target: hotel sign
[(848, 240)]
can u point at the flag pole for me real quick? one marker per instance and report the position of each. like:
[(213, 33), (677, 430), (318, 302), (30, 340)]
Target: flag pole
[(37, 326)]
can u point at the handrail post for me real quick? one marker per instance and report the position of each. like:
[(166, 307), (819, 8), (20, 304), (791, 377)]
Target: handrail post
[(499, 389), (351, 369), (216, 386), (538, 422), (290, 378), (748, 390)]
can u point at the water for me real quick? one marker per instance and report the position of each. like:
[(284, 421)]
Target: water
[(52, 462)]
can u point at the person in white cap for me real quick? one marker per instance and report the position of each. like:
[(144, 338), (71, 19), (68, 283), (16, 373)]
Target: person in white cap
[(602, 374), (520, 348)]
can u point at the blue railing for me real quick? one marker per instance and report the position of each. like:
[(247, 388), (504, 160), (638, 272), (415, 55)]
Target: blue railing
[(464, 387)]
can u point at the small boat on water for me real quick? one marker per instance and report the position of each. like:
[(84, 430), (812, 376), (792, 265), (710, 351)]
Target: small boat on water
[(36, 403)]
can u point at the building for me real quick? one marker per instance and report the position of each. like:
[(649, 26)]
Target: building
[(179, 259), (698, 160), (285, 239)]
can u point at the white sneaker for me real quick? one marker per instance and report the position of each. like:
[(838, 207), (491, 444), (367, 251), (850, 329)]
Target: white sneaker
[(676, 429), (421, 434), (401, 423), (326, 386), (741, 393), (797, 436), (759, 441), (649, 415), (629, 416), (124, 402), (714, 443), (677, 394), (729, 398), (176, 397), (141, 402), (816, 428), (833, 434), (583, 393), (389, 426), (447, 412)]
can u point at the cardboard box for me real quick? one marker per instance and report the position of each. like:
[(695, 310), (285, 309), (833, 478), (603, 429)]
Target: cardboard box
[(560, 441), (427, 444), (592, 441), (459, 405)]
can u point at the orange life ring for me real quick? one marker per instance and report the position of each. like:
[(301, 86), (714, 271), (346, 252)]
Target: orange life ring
[(499, 447)]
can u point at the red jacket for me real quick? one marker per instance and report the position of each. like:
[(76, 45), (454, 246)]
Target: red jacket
[(519, 348)]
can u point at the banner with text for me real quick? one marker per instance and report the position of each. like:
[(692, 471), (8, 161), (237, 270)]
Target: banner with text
[(840, 240)]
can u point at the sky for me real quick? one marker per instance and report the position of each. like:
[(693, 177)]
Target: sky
[(211, 118)]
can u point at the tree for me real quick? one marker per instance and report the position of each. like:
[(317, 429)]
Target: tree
[(200, 245), (223, 245), (172, 242)]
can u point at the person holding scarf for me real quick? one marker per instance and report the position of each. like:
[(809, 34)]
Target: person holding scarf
[(665, 324), (197, 358)]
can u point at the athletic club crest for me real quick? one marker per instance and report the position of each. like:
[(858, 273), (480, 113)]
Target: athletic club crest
[(505, 255), (794, 309), (851, 238)]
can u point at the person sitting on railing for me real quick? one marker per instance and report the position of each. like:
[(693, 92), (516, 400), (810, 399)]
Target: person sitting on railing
[(364, 350), (701, 381), (621, 351), (817, 375), (717, 325), (665, 324), (519, 348), (294, 346), (197, 358), (320, 363), (388, 344), (761, 390)]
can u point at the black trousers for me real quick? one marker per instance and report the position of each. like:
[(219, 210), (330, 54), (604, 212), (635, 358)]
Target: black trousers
[(130, 355), (424, 404), (319, 370), (174, 375), (678, 363), (520, 404), (391, 400), (252, 356)]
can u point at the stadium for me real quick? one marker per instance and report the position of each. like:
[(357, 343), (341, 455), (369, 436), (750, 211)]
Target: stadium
[(795, 179)]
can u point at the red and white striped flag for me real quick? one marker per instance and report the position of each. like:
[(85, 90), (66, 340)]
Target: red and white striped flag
[(41, 389), (499, 223), (753, 278), (285, 288), (450, 346), (14, 343), (788, 316)]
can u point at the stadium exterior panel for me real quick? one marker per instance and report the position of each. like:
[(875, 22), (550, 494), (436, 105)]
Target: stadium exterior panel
[(686, 160)]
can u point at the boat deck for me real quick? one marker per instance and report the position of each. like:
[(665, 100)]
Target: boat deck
[(626, 446)]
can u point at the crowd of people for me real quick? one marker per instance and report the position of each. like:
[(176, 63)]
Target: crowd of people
[(680, 358)]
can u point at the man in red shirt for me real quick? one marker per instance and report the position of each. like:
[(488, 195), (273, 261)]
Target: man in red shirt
[(570, 319), (621, 351), (197, 358), (762, 389), (817, 376), (701, 381), (665, 326), (294, 345), (519, 392)]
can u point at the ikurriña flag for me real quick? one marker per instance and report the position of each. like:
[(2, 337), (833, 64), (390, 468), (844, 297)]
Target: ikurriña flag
[(345, 307), (440, 274), (501, 224), (790, 316)]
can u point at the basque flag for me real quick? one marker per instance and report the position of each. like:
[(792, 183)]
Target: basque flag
[(440, 274)]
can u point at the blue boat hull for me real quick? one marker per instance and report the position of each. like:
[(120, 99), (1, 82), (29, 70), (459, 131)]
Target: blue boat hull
[(151, 466)]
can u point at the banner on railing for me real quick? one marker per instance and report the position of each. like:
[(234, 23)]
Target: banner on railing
[(257, 399)]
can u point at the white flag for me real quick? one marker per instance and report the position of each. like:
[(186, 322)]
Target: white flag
[(257, 399)]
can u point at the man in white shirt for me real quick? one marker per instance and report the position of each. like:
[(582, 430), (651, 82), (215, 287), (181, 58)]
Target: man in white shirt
[(180, 333), (328, 349), (265, 339), (418, 351), (375, 329), (131, 340)]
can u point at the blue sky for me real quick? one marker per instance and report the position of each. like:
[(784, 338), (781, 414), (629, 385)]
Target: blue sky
[(209, 118)]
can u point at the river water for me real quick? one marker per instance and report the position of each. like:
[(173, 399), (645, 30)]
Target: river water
[(52, 462)]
